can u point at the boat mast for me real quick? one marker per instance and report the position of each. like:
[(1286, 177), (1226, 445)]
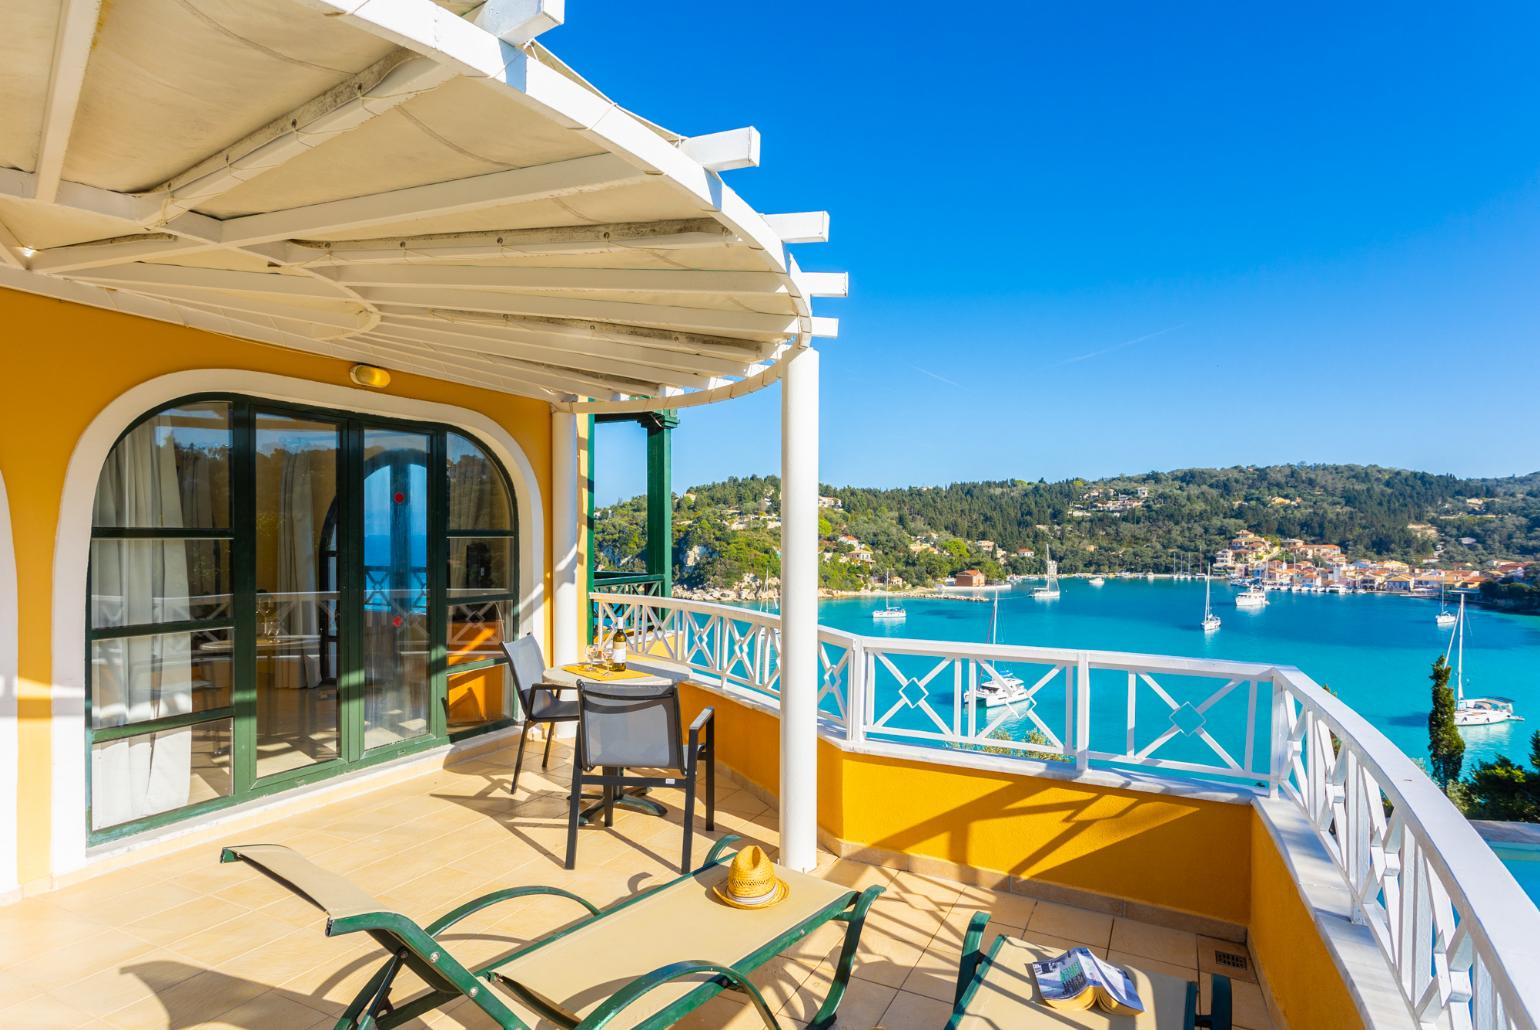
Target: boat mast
[(1459, 666), (994, 617)]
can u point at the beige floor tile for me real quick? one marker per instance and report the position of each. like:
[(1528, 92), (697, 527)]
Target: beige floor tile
[(935, 974), (44, 1012), (1074, 923), (915, 1012), (861, 1008), (197, 1000), (1177, 947), (118, 987), (1151, 965), (1002, 906), (185, 919), (103, 950), (273, 1009)]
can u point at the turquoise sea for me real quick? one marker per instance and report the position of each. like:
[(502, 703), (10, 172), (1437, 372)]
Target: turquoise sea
[(1374, 651)]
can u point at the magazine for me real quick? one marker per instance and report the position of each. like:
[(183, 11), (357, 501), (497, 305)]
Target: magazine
[(1078, 979)]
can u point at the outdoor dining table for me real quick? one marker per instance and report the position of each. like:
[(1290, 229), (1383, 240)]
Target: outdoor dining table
[(577, 673)]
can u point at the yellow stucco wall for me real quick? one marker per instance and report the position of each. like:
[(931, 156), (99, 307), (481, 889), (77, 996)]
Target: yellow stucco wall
[(1188, 854), (1305, 982), (62, 364)]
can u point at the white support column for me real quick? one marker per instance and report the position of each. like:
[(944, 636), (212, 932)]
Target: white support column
[(564, 537), (799, 612)]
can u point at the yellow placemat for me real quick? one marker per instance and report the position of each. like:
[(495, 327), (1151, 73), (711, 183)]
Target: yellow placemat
[(598, 672)]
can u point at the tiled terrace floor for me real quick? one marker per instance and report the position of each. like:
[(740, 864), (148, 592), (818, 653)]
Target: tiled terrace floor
[(183, 941)]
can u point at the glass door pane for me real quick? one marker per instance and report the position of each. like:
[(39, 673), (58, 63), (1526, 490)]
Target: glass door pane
[(296, 599), (395, 586)]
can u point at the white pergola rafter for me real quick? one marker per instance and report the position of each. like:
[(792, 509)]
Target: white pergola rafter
[(669, 281), (553, 376), (674, 234), (727, 347), (67, 77), (493, 333), (433, 200), (469, 343), (722, 322), (356, 100)]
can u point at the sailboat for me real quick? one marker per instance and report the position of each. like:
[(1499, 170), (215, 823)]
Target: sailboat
[(1049, 591), (889, 612), (1003, 687), (1210, 620), (1472, 711), (1252, 597), (1445, 618)]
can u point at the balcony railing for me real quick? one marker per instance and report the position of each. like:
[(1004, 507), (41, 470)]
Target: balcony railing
[(1452, 923)]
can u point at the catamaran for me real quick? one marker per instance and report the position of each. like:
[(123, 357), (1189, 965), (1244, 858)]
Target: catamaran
[(1252, 597), (1210, 620), (1049, 591), (1445, 618), (1003, 687), (889, 612), (1473, 711)]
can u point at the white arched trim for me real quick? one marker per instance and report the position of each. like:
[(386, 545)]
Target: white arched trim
[(73, 544), (9, 689)]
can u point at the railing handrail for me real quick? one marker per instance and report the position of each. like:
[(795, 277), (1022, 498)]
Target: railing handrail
[(1485, 886), (1483, 897)]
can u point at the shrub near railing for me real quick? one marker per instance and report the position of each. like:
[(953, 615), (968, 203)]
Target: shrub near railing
[(1462, 938)]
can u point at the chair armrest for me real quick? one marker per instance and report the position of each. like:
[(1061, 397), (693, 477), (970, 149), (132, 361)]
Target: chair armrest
[(706, 720), (548, 685), (726, 975), (972, 954)]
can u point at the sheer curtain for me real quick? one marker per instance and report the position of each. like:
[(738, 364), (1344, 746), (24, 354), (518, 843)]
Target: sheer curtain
[(139, 678), (297, 572)]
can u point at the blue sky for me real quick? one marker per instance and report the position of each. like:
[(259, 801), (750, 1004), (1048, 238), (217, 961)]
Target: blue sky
[(1086, 239)]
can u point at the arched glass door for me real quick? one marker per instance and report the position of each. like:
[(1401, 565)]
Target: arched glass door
[(279, 594)]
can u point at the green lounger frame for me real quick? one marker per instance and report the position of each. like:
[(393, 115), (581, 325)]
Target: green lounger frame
[(975, 963), (417, 948)]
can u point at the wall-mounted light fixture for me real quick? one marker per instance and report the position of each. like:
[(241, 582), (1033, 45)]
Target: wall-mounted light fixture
[(370, 376)]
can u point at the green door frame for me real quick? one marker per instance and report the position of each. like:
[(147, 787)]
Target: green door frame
[(658, 580), (241, 620)]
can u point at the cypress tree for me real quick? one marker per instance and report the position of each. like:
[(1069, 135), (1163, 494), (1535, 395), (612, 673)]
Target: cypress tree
[(1446, 747)]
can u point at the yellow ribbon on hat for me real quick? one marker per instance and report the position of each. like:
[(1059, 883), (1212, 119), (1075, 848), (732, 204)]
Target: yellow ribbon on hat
[(751, 881)]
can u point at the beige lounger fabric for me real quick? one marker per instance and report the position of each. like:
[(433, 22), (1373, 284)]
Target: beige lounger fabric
[(1008, 997), (329, 892), (682, 922)]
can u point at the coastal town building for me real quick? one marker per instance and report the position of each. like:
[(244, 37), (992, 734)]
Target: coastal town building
[(969, 578)]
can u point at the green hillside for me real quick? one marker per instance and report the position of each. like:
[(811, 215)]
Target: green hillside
[(725, 532)]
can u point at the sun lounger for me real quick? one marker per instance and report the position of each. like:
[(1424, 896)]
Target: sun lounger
[(644, 962)]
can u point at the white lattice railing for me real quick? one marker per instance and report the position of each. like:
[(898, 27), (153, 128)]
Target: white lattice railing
[(1463, 939)]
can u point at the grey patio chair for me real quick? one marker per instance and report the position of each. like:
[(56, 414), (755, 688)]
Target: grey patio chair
[(624, 726), (540, 699)]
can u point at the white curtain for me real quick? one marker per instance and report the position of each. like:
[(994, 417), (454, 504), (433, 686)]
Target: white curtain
[(136, 679), (297, 550)]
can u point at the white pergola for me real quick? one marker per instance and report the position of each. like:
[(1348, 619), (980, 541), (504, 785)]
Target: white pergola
[(423, 187)]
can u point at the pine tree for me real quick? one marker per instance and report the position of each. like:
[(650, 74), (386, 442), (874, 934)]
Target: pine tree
[(1445, 745)]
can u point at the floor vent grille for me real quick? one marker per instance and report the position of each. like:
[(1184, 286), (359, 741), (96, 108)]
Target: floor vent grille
[(1231, 960)]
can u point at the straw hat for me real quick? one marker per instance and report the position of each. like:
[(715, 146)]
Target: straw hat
[(751, 881)]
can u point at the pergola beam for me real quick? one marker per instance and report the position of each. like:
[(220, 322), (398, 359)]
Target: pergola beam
[(103, 253), (500, 331), (751, 323), (800, 226), (356, 100), (433, 200), (685, 282), (213, 280), (725, 347), (674, 234), (502, 347), (725, 151), (332, 321), (517, 22), (552, 376), (71, 52)]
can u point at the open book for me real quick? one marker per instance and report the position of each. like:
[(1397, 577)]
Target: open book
[(1078, 979)]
